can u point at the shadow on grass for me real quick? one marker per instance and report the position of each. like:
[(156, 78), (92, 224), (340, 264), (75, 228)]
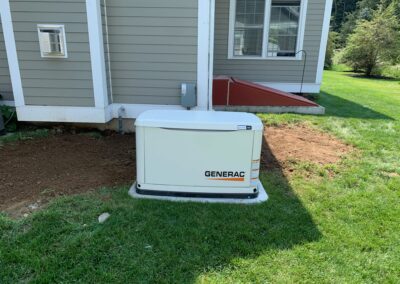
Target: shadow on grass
[(372, 77), (152, 241), (339, 107)]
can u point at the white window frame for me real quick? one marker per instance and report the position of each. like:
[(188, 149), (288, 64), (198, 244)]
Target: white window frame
[(61, 28), (267, 15)]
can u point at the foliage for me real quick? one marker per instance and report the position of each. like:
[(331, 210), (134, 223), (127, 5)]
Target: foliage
[(346, 14), (330, 49), (340, 10), (372, 43), (9, 118), (339, 227), (391, 71)]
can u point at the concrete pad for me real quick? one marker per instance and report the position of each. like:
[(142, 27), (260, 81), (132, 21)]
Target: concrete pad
[(262, 197), (319, 110)]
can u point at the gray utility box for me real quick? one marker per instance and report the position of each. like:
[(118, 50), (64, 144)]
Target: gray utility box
[(188, 95)]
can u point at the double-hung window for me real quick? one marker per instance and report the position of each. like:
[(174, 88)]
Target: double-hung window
[(266, 29)]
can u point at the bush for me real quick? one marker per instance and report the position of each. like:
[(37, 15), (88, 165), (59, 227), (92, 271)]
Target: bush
[(10, 118), (372, 43), (330, 50)]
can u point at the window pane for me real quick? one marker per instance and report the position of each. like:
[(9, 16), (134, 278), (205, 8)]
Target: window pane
[(283, 29), (249, 27), (248, 42)]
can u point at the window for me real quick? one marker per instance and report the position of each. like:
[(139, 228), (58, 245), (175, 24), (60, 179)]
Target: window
[(266, 29), (52, 41)]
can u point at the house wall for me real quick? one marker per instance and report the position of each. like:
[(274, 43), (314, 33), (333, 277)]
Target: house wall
[(264, 70), (53, 82), (5, 80), (153, 49)]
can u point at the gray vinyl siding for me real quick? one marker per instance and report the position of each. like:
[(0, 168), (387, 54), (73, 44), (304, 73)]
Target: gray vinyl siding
[(279, 71), (153, 49), (5, 80), (53, 82)]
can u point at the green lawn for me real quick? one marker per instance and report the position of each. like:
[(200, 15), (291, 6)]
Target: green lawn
[(344, 228)]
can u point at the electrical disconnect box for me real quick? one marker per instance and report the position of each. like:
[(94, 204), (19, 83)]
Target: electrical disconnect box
[(52, 41), (188, 95)]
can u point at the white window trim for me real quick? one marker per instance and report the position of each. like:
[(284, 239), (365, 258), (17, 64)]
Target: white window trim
[(61, 28), (267, 13)]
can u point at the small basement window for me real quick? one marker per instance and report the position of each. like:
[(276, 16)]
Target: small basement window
[(52, 41)]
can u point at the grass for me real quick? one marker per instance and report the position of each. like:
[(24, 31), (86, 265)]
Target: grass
[(323, 229), (23, 135)]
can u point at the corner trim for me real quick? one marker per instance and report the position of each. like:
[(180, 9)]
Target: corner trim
[(211, 56), (11, 50), (324, 40), (203, 53), (96, 43)]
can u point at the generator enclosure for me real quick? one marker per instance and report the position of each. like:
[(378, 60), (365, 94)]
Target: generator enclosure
[(198, 153)]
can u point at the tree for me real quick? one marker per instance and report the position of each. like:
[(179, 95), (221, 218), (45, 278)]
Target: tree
[(330, 50), (373, 42)]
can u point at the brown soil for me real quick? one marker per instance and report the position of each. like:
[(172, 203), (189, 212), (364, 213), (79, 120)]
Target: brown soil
[(300, 143), (35, 171), (32, 172)]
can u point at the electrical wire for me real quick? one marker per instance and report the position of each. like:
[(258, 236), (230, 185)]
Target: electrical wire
[(304, 69)]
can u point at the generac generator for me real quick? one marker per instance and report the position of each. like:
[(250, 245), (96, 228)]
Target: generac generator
[(198, 154)]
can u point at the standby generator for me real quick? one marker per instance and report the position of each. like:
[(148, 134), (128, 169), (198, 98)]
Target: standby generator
[(202, 154)]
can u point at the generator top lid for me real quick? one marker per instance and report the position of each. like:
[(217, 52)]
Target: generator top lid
[(199, 120)]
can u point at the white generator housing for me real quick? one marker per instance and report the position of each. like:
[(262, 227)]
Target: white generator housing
[(198, 154)]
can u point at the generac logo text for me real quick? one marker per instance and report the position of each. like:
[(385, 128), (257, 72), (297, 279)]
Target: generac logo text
[(225, 175)]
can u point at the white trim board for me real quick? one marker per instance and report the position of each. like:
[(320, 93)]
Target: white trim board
[(293, 87), (11, 50), (84, 114), (267, 15), (203, 54), (324, 40), (63, 114), (133, 111), (97, 58)]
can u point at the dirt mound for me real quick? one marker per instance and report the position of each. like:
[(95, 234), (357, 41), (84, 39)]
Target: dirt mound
[(34, 171), (300, 143)]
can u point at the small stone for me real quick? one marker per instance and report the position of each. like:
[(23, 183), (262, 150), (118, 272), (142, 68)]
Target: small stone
[(148, 247), (33, 206), (26, 215), (103, 217)]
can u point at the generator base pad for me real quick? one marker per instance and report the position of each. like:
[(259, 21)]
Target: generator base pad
[(262, 197)]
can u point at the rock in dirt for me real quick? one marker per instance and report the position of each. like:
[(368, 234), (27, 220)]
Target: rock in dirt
[(103, 217)]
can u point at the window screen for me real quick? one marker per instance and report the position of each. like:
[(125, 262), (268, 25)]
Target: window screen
[(283, 28), (249, 27)]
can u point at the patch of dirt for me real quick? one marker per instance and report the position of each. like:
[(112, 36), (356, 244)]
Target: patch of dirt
[(35, 171), (300, 143)]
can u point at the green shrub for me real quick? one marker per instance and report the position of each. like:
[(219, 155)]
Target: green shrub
[(10, 118), (373, 43)]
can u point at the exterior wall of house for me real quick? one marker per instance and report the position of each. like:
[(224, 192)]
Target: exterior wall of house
[(103, 5), (264, 70), (53, 82), (5, 80), (153, 49)]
